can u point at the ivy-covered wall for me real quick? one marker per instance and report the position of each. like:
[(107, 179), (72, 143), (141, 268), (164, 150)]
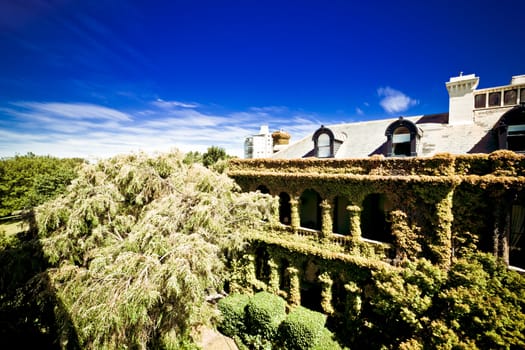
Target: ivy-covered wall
[(439, 211), (436, 207)]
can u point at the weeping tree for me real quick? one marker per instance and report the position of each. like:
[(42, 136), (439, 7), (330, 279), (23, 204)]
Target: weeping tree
[(137, 244)]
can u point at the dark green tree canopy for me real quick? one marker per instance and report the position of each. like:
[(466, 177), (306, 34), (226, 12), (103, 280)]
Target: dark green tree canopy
[(213, 155), (30, 180)]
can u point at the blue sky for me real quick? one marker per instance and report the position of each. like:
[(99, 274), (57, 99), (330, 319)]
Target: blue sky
[(97, 78)]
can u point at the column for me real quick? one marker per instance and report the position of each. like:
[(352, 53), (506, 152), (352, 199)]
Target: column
[(294, 294), (273, 284), (326, 218), (326, 293), (355, 221), (294, 208)]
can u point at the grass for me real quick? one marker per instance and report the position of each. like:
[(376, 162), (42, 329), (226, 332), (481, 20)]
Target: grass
[(13, 228), (10, 233)]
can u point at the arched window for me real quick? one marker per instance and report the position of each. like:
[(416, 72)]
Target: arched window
[(310, 210), (323, 143), (341, 221), (402, 138), (285, 209), (374, 225), (401, 142), (511, 130)]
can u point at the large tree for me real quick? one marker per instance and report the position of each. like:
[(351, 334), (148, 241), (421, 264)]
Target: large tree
[(136, 245)]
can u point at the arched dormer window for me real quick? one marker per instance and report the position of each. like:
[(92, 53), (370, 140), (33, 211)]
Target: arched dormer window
[(324, 143), (511, 130), (402, 138)]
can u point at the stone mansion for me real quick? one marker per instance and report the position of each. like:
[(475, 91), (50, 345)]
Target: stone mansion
[(370, 194)]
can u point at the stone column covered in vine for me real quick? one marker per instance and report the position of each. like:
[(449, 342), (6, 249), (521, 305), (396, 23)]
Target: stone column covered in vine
[(295, 218), (405, 238), (251, 275), (326, 218), (273, 284), (353, 301), (326, 293), (294, 294), (355, 221)]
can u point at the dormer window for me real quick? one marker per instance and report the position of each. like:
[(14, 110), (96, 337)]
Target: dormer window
[(511, 130), (401, 142), (402, 138), (324, 143)]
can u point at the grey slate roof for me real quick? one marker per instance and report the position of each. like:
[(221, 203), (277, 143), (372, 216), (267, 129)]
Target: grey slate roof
[(364, 139)]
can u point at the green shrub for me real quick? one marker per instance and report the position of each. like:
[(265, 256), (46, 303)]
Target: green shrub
[(264, 313), (301, 329), (232, 314), (256, 342), (326, 341)]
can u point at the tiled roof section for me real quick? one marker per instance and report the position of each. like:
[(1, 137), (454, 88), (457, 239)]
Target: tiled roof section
[(440, 118), (368, 138)]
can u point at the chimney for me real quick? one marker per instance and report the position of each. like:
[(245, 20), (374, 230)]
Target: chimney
[(461, 98), (281, 139), (517, 80)]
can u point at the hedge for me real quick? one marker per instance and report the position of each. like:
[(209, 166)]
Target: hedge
[(327, 341), (232, 314), (301, 330), (264, 313)]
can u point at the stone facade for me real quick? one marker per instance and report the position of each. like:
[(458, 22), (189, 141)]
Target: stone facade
[(444, 186)]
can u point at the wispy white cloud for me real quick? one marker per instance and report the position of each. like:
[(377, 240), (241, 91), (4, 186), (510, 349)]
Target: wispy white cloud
[(394, 101), (94, 131), (359, 111), (74, 110), (269, 109), (171, 104)]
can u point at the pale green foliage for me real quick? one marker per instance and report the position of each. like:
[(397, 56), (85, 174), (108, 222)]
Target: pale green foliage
[(404, 298), (477, 304), (138, 242), (192, 157)]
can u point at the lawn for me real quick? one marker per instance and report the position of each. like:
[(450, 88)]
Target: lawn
[(14, 227)]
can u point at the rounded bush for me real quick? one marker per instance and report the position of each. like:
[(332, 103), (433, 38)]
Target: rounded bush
[(232, 314), (264, 313), (301, 329), (327, 341)]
